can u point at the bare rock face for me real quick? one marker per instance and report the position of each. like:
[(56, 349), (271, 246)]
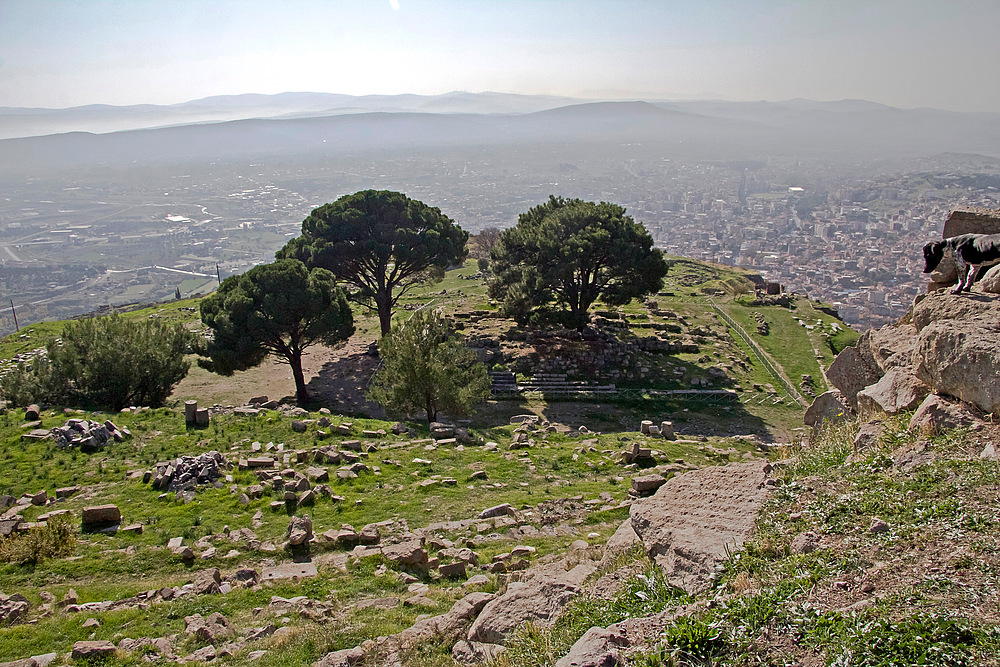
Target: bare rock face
[(898, 390), (539, 599), (829, 406), (694, 518), (598, 647), (961, 358), (942, 306), (877, 351), (939, 413)]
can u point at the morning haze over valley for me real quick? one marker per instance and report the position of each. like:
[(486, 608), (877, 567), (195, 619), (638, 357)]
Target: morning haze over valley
[(513, 333)]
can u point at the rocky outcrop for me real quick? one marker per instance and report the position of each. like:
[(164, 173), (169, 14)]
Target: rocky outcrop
[(691, 522), (850, 373), (862, 365), (958, 347), (950, 347)]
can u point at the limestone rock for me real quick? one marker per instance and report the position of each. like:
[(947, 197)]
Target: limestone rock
[(598, 647), (898, 391), (990, 282), (961, 358), (696, 518), (830, 406), (91, 650), (939, 413), (539, 600)]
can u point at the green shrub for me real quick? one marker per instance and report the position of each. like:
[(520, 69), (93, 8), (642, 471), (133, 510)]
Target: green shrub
[(106, 363), (53, 540)]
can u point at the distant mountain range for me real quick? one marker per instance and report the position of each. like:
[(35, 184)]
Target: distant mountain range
[(289, 124)]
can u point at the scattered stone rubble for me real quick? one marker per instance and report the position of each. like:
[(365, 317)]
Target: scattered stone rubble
[(88, 436), (187, 472)]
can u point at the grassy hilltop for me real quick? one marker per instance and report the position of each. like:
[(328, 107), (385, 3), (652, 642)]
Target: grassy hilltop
[(569, 484)]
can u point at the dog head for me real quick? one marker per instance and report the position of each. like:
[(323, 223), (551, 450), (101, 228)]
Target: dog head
[(933, 253)]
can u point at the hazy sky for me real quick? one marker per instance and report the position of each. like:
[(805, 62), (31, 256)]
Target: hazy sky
[(909, 53)]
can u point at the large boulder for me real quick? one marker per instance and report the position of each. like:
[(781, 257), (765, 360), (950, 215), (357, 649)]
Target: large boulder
[(898, 390), (887, 347), (830, 406), (876, 352), (695, 519), (850, 373), (961, 358)]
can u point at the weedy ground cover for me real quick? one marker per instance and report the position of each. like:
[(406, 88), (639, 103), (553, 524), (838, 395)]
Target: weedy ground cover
[(902, 569)]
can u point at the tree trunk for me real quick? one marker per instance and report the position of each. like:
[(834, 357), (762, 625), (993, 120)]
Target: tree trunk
[(384, 304), (301, 394), (431, 409)]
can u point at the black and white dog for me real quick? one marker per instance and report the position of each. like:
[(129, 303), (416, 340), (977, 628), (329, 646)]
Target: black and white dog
[(971, 252)]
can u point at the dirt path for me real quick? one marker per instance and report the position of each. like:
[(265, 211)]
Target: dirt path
[(336, 379)]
